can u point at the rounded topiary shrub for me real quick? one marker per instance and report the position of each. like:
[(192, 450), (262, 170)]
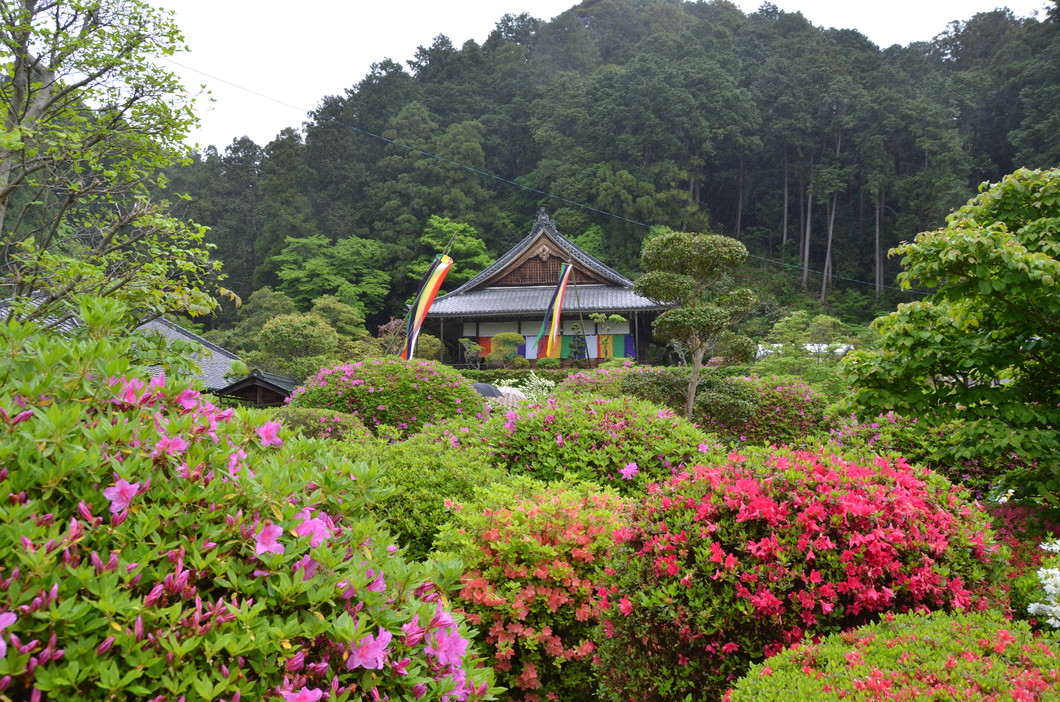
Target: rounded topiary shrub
[(427, 480), (785, 411), (390, 391), (936, 656), (322, 424), (534, 554), (602, 382), (155, 547), (621, 442), (732, 561)]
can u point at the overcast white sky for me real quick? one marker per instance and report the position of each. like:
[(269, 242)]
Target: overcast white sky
[(268, 62)]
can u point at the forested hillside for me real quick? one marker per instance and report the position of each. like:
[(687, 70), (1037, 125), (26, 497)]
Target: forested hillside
[(814, 147)]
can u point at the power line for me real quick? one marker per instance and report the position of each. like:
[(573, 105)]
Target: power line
[(507, 181)]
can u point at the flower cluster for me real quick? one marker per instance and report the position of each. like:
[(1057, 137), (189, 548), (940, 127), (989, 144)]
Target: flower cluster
[(912, 656), (322, 424), (534, 556), (155, 546), (391, 392), (752, 554)]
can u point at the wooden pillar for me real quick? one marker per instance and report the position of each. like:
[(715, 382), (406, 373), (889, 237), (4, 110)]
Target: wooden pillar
[(441, 338)]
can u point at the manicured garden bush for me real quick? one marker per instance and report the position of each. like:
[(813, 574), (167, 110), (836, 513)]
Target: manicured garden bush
[(389, 391), (155, 547), (322, 424), (496, 375), (602, 382), (534, 555), (732, 561), (621, 442), (785, 411), (936, 656), (425, 477)]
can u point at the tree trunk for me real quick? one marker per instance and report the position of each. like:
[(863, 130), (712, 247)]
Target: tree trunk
[(806, 236), (832, 207), (693, 380), (879, 251), (784, 224), (739, 195)]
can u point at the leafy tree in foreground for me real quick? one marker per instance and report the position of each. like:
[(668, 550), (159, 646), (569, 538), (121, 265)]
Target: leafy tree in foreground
[(985, 347), (684, 270), (88, 119)]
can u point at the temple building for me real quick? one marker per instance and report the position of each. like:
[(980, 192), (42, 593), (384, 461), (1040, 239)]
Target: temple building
[(513, 295)]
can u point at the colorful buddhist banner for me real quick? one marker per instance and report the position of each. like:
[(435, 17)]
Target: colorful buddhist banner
[(553, 313), (429, 286)]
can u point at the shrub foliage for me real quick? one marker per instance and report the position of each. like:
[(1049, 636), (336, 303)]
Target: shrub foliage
[(938, 656), (390, 391), (728, 562), (153, 546)]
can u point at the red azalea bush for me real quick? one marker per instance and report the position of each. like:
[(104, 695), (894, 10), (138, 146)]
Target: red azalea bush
[(729, 562), (155, 547), (785, 412), (621, 442), (393, 392), (937, 656), (534, 554)]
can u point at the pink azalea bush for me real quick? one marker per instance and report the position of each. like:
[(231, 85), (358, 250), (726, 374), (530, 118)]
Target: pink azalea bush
[(391, 392), (735, 560), (585, 438), (534, 554), (154, 546), (937, 656)]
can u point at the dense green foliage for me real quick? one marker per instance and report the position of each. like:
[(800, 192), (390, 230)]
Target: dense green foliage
[(985, 347), (810, 145), (427, 480), (88, 119), (735, 559), (154, 546), (912, 656)]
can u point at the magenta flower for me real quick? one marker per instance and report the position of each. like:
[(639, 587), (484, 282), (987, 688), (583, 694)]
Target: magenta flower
[(268, 540), (170, 446), (371, 652), (121, 495), (306, 694), (413, 632), (270, 434), (315, 528), (378, 583), (629, 471), (448, 646), (6, 620)]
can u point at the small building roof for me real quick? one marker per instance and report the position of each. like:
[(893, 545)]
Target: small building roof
[(261, 388), (521, 282)]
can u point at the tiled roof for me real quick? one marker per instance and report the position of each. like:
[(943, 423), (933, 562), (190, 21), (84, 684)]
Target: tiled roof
[(214, 364), (533, 300), (576, 252)]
